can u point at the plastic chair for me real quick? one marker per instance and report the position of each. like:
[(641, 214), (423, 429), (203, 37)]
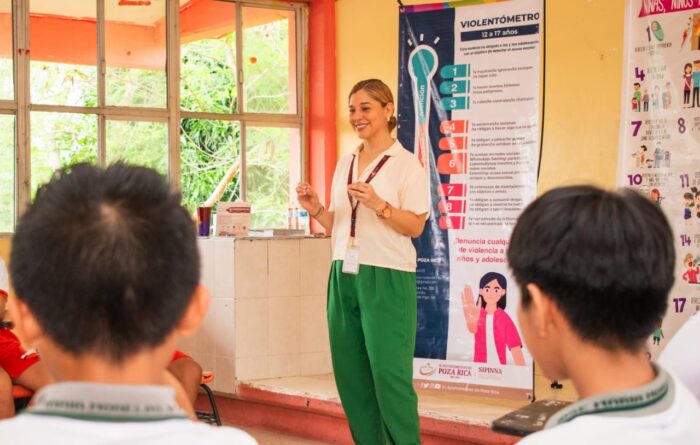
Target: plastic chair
[(211, 417), (21, 396)]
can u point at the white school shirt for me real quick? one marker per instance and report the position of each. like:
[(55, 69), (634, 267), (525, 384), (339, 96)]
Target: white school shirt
[(403, 183), (682, 355), (77, 413), (667, 414)]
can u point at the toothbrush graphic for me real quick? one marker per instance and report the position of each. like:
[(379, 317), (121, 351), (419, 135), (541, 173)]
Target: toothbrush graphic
[(422, 65)]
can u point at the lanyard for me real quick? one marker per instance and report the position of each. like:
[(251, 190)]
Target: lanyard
[(353, 216)]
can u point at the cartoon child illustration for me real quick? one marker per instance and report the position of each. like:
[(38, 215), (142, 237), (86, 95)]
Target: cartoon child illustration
[(692, 270), (667, 158), (689, 204), (636, 97), (657, 336), (492, 327), (696, 193), (658, 156), (657, 31), (655, 97), (686, 32), (642, 156), (666, 97), (656, 197), (696, 84), (645, 99), (687, 83)]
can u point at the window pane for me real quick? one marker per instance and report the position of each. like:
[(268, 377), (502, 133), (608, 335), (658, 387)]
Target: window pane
[(140, 143), (135, 53), (208, 57), (269, 60), (60, 140), (64, 53), (273, 167), (7, 90), (7, 173), (210, 154)]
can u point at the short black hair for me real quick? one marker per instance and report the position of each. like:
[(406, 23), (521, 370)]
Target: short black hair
[(605, 258), (106, 259)]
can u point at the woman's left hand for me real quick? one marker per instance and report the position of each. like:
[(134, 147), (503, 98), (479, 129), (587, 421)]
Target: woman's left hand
[(364, 193)]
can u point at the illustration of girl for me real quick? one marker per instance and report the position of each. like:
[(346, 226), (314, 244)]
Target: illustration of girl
[(687, 83), (656, 197), (666, 97), (692, 270), (655, 97), (492, 327)]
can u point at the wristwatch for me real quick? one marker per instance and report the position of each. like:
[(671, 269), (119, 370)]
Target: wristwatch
[(385, 211)]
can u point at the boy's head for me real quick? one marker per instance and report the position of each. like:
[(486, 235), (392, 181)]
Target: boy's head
[(636, 86), (590, 271), (105, 261)]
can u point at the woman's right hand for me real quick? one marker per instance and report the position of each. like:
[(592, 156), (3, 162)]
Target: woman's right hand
[(308, 198)]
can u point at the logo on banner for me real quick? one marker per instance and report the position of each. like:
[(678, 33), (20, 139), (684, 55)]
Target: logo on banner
[(454, 371), (427, 369)]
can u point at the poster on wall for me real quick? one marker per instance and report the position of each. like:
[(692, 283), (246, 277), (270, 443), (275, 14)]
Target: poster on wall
[(660, 133), (469, 91)]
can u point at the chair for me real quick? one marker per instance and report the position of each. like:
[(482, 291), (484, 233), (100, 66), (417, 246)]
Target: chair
[(211, 417), (21, 396)]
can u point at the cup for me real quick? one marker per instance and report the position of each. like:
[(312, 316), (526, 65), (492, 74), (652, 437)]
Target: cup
[(203, 221)]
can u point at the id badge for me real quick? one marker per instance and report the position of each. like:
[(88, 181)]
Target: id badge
[(351, 262)]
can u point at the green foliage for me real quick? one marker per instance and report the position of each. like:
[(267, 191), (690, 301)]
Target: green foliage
[(60, 140), (132, 87), (208, 149), (6, 85), (142, 143)]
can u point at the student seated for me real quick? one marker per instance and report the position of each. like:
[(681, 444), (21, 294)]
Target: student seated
[(188, 373), (595, 269), (17, 364), (7, 403), (105, 267)]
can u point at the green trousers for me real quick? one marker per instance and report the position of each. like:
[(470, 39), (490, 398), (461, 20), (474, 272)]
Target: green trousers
[(372, 327)]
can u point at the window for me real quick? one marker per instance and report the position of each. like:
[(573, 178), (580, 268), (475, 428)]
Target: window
[(7, 120), (103, 84), (242, 133)]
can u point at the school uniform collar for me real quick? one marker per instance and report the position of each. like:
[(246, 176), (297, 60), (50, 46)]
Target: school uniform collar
[(107, 402), (393, 150), (652, 398)]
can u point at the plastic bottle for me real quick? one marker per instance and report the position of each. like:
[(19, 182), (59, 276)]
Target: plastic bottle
[(304, 221)]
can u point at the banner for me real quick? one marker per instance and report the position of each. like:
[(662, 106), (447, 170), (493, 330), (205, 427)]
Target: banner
[(469, 91), (659, 135)]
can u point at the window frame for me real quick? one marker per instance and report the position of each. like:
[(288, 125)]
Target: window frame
[(21, 106)]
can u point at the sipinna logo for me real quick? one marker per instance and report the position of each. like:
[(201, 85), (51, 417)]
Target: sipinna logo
[(427, 369)]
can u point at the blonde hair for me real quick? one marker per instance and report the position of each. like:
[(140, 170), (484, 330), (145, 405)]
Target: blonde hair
[(378, 91)]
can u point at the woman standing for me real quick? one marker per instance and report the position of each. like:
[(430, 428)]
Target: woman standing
[(379, 200)]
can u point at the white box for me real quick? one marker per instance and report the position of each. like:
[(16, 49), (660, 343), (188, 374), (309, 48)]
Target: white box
[(232, 218)]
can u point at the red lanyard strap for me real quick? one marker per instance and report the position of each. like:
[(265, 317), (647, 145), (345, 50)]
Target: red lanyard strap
[(353, 216)]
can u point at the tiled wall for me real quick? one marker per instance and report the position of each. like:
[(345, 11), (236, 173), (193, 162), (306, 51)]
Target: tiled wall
[(268, 313)]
